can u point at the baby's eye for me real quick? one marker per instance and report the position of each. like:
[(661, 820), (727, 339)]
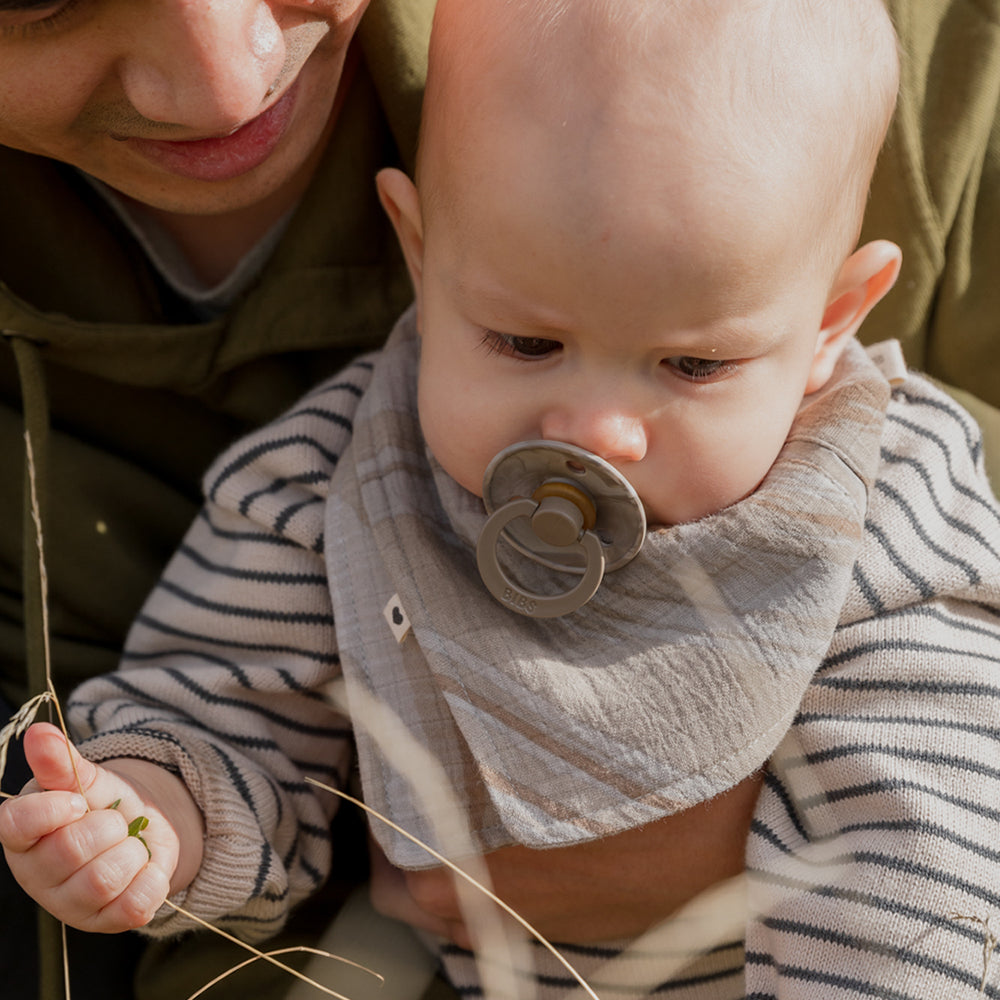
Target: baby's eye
[(698, 368), (526, 348)]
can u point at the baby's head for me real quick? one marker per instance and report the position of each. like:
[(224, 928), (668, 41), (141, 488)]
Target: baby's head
[(634, 229)]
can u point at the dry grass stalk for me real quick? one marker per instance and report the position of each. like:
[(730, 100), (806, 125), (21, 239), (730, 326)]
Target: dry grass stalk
[(499, 952), (17, 726), (510, 911), (438, 801), (990, 942), (301, 949), (265, 956), (36, 517), (714, 917), (257, 954), (65, 952)]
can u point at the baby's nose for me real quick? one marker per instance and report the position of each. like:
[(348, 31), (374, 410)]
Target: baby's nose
[(609, 433)]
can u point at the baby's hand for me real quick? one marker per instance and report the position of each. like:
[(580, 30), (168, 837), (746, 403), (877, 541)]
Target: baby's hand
[(72, 853)]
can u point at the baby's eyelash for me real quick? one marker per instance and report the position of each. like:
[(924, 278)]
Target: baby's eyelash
[(491, 342), (22, 24), (700, 369), (521, 348)]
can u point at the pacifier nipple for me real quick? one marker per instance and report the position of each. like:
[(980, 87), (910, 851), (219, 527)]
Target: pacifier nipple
[(561, 507), (563, 511)]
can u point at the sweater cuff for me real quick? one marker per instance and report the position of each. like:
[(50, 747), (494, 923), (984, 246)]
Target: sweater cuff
[(237, 859)]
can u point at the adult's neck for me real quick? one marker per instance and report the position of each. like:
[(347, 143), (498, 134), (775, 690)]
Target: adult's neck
[(214, 245)]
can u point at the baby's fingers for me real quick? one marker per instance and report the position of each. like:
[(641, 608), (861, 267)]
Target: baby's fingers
[(25, 820), (59, 855), (135, 905), (91, 875), (118, 890)]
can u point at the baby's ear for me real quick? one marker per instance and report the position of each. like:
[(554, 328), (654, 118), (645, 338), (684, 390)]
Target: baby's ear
[(861, 284), (401, 202)]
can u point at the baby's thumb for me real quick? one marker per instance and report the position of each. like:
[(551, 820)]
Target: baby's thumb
[(45, 748)]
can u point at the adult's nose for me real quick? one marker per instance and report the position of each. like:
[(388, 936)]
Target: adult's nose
[(609, 431), (205, 65)]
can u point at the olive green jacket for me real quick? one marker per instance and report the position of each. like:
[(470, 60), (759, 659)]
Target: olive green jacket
[(128, 400), (937, 194)]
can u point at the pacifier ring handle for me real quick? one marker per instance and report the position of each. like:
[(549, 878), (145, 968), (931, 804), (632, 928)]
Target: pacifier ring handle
[(559, 520)]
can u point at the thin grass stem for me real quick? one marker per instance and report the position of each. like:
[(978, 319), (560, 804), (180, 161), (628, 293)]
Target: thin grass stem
[(990, 944), (282, 951), (465, 875), (43, 582), (65, 951), (255, 951), (498, 953), (36, 516)]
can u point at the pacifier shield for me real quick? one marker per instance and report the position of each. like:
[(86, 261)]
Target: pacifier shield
[(518, 471)]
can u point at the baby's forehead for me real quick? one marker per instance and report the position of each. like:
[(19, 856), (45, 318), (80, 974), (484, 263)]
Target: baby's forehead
[(606, 122), (743, 58), (702, 67), (756, 98), (575, 211)]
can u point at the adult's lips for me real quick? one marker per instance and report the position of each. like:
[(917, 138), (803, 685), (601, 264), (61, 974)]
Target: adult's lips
[(219, 158)]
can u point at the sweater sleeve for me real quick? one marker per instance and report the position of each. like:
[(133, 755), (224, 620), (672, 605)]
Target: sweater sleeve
[(873, 852), (223, 673)]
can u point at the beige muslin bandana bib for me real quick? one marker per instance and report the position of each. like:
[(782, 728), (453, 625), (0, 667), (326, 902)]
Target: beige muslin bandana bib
[(672, 684)]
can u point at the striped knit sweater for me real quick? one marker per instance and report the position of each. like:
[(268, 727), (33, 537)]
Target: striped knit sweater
[(873, 859)]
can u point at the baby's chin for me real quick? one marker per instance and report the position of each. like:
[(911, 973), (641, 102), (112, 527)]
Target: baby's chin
[(661, 519)]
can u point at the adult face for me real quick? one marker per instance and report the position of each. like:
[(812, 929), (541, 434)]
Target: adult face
[(189, 106)]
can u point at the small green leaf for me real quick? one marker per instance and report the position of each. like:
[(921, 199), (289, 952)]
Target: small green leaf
[(137, 826), (115, 804), (135, 829)]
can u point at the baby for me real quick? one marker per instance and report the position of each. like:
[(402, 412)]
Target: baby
[(633, 230)]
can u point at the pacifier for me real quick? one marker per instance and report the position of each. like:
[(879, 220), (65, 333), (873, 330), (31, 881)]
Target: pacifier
[(564, 508)]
